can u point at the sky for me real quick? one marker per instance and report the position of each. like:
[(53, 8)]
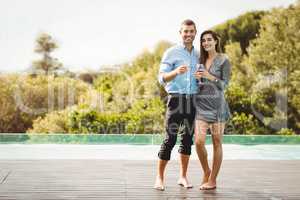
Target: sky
[(93, 33)]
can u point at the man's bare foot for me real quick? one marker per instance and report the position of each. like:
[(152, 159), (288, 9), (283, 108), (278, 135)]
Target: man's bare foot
[(159, 184), (205, 177), (184, 183), (210, 185)]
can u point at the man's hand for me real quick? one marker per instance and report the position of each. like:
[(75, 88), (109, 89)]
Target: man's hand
[(171, 75), (181, 69)]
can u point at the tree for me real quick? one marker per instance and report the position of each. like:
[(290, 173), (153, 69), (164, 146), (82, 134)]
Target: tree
[(242, 29), (277, 51), (45, 45), (240, 73)]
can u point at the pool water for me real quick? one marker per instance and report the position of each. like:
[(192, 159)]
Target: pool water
[(142, 152)]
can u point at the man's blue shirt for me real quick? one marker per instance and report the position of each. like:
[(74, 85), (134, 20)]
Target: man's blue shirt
[(174, 57)]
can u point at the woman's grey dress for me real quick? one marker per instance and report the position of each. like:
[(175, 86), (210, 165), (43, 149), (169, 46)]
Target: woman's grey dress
[(211, 105)]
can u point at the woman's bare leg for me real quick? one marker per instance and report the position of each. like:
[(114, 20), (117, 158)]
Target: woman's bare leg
[(217, 137), (200, 135)]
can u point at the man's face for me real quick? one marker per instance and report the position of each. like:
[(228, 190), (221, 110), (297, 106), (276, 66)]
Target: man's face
[(187, 33)]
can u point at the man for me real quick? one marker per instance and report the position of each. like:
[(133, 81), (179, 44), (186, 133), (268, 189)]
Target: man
[(176, 74)]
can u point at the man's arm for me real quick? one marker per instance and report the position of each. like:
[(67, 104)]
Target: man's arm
[(167, 72), (169, 76)]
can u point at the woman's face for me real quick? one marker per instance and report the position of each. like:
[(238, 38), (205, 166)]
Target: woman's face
[(208, 42)]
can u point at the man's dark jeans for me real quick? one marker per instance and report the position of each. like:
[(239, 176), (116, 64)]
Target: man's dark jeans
[(180, 117)]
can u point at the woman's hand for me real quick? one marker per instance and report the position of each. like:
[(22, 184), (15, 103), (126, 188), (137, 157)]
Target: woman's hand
[(198, 75), (204, 74)]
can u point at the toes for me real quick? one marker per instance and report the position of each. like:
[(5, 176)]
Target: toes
[(159, 188), (184, 183), (207, 187), (159, 185)]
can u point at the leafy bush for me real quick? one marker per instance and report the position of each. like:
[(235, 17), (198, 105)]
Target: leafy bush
[(54, 122), (24, 98), (241, 123), (91, 121), (144, 117), (286, 131)]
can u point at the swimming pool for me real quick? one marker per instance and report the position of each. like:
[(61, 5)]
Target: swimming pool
[(139, 147), (141, 152), (140, 139)]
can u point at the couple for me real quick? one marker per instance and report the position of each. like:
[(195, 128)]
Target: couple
[(195, 103)]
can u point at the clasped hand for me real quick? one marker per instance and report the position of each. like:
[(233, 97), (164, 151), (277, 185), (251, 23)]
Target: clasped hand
[(202, 74)]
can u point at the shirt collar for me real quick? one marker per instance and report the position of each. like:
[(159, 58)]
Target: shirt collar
[(181, 44)]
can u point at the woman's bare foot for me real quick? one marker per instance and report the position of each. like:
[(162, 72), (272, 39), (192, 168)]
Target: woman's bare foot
[(159, 184), (210, 185), (184, 183), (205, 177)]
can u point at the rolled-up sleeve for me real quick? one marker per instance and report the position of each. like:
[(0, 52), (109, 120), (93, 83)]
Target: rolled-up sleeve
[(166, 65), (223, 82)]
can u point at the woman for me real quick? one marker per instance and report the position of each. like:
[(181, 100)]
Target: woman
[(211, 106)]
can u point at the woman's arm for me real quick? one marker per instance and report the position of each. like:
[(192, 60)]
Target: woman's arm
[(223, 82)]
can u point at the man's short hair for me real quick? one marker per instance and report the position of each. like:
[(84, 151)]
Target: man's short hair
[(188, 22)]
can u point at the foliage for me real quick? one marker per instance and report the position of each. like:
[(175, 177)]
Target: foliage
[(242, 29), (133, 81), (264, 51), (241, 123), (275, 58), (143, 117), (53, 122), (286, 131), (24, 98)]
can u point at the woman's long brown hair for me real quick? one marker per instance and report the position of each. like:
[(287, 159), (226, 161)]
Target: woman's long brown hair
[(203, 53)]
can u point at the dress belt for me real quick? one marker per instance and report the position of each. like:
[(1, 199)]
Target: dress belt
[(181, 95)]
